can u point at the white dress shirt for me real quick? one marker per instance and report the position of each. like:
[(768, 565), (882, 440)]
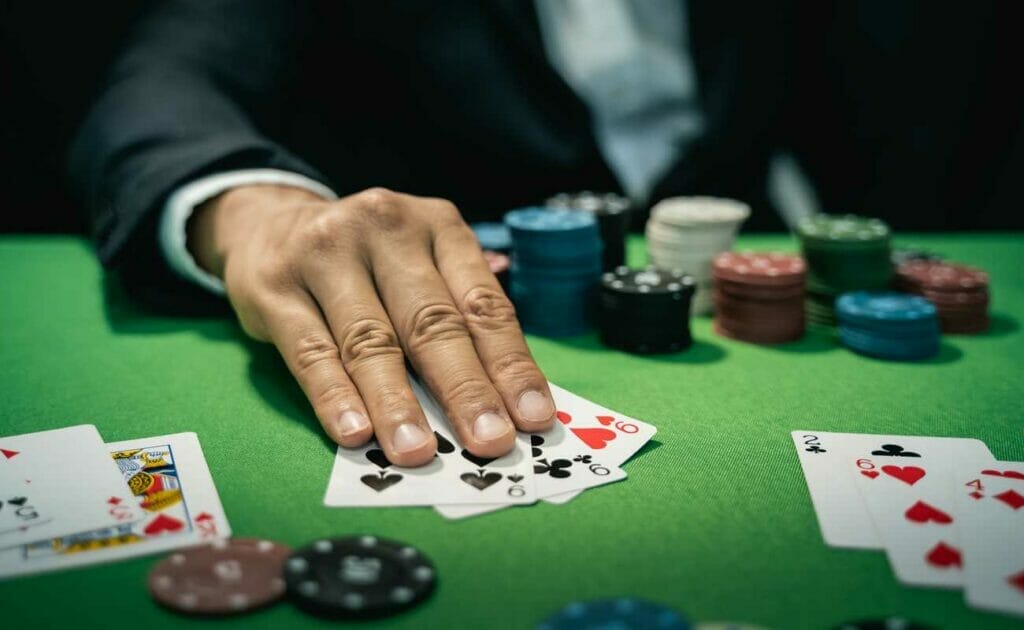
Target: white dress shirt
[(627, 60)]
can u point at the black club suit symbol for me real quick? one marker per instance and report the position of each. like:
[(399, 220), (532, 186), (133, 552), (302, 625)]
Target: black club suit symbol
[(557, 468), (583, 459)]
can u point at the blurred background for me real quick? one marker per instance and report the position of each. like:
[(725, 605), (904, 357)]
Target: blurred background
[(900, 109)]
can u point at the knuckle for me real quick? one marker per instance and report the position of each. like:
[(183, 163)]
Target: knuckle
[(366, 340), (447, 213), (465, 390), (488, 309), (516, 365), (435, 322), (314, 352), (381, 208), (323, 234), (331, 394)]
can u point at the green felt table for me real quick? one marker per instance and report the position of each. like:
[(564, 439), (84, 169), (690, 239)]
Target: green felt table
[(715, 518)]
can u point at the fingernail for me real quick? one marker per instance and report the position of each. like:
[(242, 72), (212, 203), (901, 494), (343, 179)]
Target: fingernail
[(352, 422), (489, 426), (409, 437), (535, 407)]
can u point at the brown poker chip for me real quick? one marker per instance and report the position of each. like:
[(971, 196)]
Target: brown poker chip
[(941, 276), (226, 577), (760, 268)]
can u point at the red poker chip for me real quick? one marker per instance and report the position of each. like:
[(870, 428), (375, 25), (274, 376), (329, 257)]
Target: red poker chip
[(941, 275), (759, 292), (760, 268), (757, 337)]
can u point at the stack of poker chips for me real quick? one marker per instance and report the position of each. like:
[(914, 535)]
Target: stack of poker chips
[(612, 213), (843, 253), (759, 297), (685, 233), (960, 293), (645, 311), (556, 266), (894, 326)]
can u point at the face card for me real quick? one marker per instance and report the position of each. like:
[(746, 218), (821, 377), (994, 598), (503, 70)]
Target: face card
[(824, 457), (364, 477), (990, 504), (906, 486), (172, 486), (59, 482)]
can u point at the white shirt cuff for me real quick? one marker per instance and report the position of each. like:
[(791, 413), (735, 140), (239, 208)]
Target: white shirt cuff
[(184, 200)]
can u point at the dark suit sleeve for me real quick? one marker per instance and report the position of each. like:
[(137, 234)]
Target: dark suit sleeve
[(196, 91)]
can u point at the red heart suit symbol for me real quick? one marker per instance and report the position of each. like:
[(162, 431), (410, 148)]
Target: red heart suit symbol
[(907, 474), (161, 524), (595, 438), (563, 417), (1012, 474), (921, 512), (943, 556), (605, 420), (871, 474)]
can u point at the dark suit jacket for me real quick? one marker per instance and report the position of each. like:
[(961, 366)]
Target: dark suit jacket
[(453, 99)]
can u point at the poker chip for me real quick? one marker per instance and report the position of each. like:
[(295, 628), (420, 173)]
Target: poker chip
[(555, 270), (499, 265), (759, 297), (960, 293), (843, 253), (645, 311), (685, 233), (359, 576), (894, 326), (227, 577), (613, 215), (902, 255), (887, 623), (620, 613), (493, 236)]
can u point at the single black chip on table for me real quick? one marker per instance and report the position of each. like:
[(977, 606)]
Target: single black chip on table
[(646, 311), (359, 576)]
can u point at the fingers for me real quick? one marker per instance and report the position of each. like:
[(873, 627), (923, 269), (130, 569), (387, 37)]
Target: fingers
[(372, 357), (437, 342), (491, 322), (303, 339)]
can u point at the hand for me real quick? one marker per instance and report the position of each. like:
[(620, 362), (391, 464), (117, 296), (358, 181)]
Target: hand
[(347, 289)]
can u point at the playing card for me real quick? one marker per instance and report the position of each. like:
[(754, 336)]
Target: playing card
[(990, 506), (59, 482), (172, 486), (364, 477), (582, 450), (824, 458), (906, 485)]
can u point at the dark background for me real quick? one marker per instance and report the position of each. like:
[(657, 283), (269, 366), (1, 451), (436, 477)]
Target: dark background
[(905, 110)]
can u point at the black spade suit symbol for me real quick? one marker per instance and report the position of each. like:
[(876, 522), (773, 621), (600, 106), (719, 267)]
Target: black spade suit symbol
[(19, 501), (377, 456), (382, 482), (479, 461), (443, 445), (481, 480)]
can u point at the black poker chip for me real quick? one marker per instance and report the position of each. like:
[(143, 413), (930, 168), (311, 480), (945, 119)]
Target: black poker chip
[(613, 216), (358, 577), (646, 311), (884, 623)]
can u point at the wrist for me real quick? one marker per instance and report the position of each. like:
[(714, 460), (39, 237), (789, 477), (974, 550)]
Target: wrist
[(217, 224)]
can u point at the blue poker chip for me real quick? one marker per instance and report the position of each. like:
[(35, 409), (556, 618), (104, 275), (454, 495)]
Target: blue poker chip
[(615, 614), (886, 311), (904, 348), (493, 236), (548, 220)]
